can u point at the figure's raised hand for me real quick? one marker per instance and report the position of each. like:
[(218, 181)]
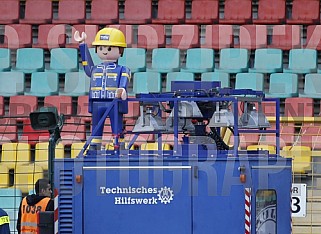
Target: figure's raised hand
[(80, 39)]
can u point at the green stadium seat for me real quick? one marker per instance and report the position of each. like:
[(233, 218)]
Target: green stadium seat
[(12, 83), (147, 82), (5, 59), (312, 84), (178, 76), (223, 77), (134, 59), (30, 60), (302, 61), (44, 84), (63, 60), (10, 199), (165, 60), (199, 60), (75, 84), (283, 85), (267, 61), (233, 60), (254, 81)]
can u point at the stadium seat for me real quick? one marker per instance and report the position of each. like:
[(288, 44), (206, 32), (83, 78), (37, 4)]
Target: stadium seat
[(9, 155), (41, 154), (185, 36), (223, 77), (134, 59), (137, 12), (154, 146), (10, 198), (73, 130), (94, 56), (9, 11), (177, 76), (312, 86), (75, 84), (63, 104), (270, 148), (82, 108), (4, 176), (237, 12), (271, 12), (8, 130), (43, 84), (71, 12), (17, 36), (165, 60), (302, 61), (254, 81), (76, 147), (283, 85), (313, 40), (301, 155), (30, 60), (2, 106), (21, 106), (12, 83), (5, 59), (31, 136), (268, 61), (151, 36), (51, 36), (128, 32), (98, 12), (63, 60), (25, 177), (147, 82), (233, 60), (204, 12), (252, 37), (199, 60), (170, 12), (310, 135), (286, 37), (90, 30), (305, 12), (37, 12), (218, 36), (299, 107)]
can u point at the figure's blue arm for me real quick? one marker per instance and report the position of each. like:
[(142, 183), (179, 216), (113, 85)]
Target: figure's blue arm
[(87, 61), (125, 78)]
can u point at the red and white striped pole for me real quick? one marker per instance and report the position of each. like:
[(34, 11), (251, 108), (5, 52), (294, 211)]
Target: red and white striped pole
[(247, 210), (56, 210)]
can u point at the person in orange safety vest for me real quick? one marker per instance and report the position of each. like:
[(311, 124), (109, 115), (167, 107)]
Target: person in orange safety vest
[(32, 204)]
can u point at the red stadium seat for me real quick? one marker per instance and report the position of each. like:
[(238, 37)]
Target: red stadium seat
[(51, 36), (305, 12), (99, 9), (185, 36), (9, 11), (204, 12), (271, 12), (71, 12), (90, 31), (218, 36), (237, 12), (313, 37), (21, 106), (252, 37), (299, 107), (37, 12), (82, 109), (8, 130), (286, 37), (74, 130), (17, 36), (151, 36), (32, 136), (137, 12), (63, 104), (128, 32), (170, 12), (2, 105)]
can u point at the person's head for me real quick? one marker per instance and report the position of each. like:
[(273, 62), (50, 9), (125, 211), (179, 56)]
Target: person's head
[(43, 187), (110, 44)]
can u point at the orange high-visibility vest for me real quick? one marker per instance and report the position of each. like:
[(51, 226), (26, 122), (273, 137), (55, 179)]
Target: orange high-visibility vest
[(29, 215)]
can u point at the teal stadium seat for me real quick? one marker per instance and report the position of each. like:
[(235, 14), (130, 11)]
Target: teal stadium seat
[(312, 84), (254, 81), (134, 59), (302, 61), (63, 60), (75, 84), (199, 60), (94, 56), (30, 60), (223, 77), (177, 76), (44, 84), (283, 85), (233, 60), (147, 82), (165, 60), (5, 59), (267, 61), (12, 83)]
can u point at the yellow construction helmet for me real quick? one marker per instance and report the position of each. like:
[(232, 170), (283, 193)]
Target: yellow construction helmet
[(110, 37)]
